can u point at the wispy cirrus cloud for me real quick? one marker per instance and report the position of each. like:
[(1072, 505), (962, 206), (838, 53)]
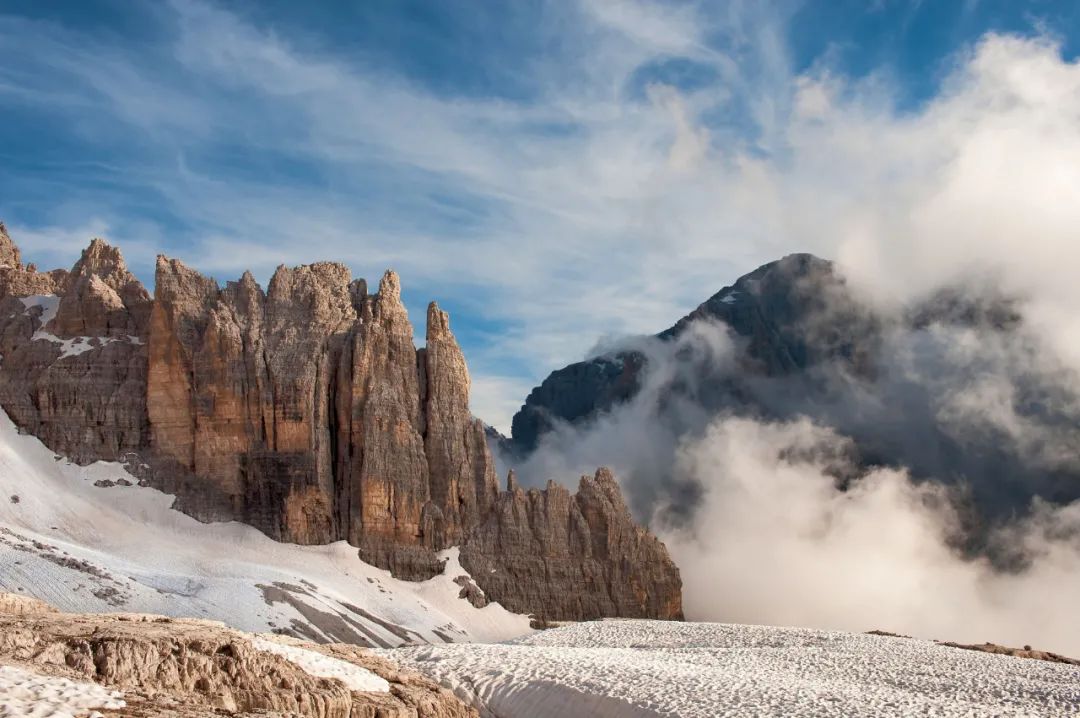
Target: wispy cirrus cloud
[(653, 153)]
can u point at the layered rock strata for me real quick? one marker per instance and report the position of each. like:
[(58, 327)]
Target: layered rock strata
[(187, 668), (74, 354), (568, 557), (306, 411)]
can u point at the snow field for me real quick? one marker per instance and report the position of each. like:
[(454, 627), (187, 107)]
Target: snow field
[(24, 694), (659, 668), (86, 548)]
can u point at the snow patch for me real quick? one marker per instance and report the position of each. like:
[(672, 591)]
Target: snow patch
[(87, 548), (24, 694), (49, 304), (73, 346), (356, 678)]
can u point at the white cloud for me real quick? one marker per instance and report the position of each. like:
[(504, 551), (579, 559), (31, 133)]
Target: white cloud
[(776, 542), (586, 210)]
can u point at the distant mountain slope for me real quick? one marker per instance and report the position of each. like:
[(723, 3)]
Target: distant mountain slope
[(954, 388), (793, 313)]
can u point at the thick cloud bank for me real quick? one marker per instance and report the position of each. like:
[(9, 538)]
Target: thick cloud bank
[(781, 519), (936, 493), (774, 540)]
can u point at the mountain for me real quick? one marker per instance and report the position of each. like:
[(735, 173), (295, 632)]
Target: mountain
[(306, 411), (953, 387), (792, 314)]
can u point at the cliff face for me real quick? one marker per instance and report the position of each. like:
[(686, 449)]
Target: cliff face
[(306, 411), (74, 354), (575, 556)]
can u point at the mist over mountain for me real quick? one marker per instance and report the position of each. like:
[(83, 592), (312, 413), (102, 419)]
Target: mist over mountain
[(791, 437), (954, 388)]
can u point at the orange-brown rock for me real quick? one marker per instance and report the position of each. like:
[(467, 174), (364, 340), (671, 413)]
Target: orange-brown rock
[(187, 668), (307, 411), (462, 473), (572, 557), (17, 280), (74, 355), (384, 488), (101, 298)]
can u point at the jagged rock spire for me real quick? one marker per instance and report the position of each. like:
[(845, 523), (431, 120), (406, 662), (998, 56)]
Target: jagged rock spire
[(572, 557), (101, 297), (9, 251), (308, 412), (462, 471)]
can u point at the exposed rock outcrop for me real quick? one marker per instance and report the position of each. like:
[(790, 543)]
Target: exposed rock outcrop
[(789, 316), (19, 281), (74, 355), (569, 557), (101, 298), (306, 411), (1025, 652), (462, 473), (10, 256), (183, 667)]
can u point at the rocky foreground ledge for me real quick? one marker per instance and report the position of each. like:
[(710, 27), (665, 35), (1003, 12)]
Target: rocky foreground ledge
[(145, 665)]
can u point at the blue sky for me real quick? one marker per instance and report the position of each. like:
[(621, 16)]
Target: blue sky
[(553, 173)]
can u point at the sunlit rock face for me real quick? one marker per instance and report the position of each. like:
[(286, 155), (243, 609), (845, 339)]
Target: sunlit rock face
[(306, 411), (74, 352)]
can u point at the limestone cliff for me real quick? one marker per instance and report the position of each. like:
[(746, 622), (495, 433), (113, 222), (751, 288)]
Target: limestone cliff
[(571, 557), (74, 355), (307, 411)]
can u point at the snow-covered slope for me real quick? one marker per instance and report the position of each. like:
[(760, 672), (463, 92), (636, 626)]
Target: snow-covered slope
[(658, 668), (92, 548)]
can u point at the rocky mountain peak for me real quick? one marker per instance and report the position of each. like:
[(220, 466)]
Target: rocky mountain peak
[(19, 281), (787, 316), (316, 292), (438, 323), (308, 412), (174, 280), (102, 259), (390, 286), (539, 547), (101, 298), (9, 251)]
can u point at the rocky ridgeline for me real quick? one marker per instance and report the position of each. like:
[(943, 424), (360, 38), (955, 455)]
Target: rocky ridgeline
[(187, 668), (306, 411)]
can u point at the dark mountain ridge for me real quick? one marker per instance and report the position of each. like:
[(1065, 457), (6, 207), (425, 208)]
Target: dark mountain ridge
[(900, 384)]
